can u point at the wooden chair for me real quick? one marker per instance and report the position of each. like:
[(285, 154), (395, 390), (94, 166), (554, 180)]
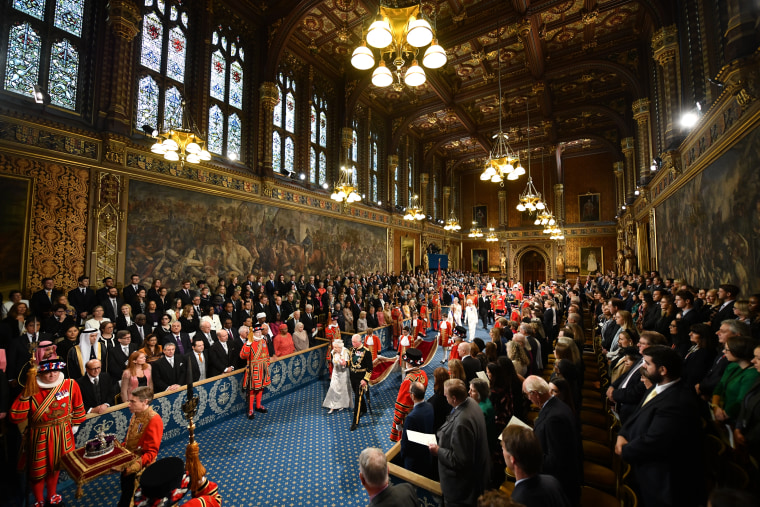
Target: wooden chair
[(597, 453), (592, 497), (628, 497), (602, 477)]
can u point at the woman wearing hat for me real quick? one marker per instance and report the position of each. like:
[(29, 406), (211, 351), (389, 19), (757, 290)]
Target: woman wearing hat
[(53, 406), (404, 404), (283, 342)]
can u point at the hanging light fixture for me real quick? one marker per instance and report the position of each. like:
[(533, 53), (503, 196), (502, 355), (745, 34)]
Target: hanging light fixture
[(475, 232), (530, 199), (181, 143), (399, 34), (452, 224), (491, 236), (344, 190), (502, 162), (414, 211)]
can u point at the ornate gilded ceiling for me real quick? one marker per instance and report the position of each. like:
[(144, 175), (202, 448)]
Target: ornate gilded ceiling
[(576, 65)]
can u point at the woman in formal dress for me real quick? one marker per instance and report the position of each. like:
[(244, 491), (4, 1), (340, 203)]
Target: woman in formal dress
[(737, 379), (471, 318), (136, 374), (96, 319), (213, 318), (699, 358), (519, 357), (361, 322), (175, 312), (339, 395), (152, 349), (456, 311), (300, 338)]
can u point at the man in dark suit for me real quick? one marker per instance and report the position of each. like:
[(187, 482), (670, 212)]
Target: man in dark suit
[(102, 292), (112, 304), (97, 387), (727, 329), (58, 322), (416, 456), (223, 355), (628, 390), (551, 320), (288, 306), (484, 306), (197, 360), (169, 371), (206, 334), (129, 292), (523, 455), (228, 312), (373, 473), (140, 329), (471, 364), (43, 300), (118, 355), (83, 298), (181, 340), (663, 439), (726, 293), (294, 319), (310, 324), (462, 450), (557, 431), (271, 286), (687, 316)]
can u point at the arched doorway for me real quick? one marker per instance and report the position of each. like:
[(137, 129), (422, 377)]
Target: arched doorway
[(532, 268)]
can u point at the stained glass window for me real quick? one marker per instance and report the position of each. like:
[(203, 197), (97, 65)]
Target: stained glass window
[(313, 165), (354, 176), (373, 168), (64, 67), (218, 75), (277, 115), (23, 64), (215, 130), (290, 113), (373, 191), (34, 8), (313, 123), (234, 135), (323, 129), (68, 16), (147, 102), (152, 42), (163, 63), (322, 168), (395, 186), (175, 68), (226, 90), (354, 145), (276, 152), (290, 155), (172, 109)]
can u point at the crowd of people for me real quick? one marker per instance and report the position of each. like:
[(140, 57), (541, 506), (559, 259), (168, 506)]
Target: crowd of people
[(696, 350)]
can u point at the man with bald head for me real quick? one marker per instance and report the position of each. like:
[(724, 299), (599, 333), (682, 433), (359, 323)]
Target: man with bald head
[(222, 355), (97, 388), (373, 473), (472, 365)]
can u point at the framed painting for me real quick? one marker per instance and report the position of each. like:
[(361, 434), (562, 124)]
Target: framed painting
[(591, 259), (480, 216), (15, 208), (588, 207), (407, 254), (479, 261)]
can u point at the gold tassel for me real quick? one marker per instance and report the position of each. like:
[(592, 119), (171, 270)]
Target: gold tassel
[(194, 466), (31, 388)]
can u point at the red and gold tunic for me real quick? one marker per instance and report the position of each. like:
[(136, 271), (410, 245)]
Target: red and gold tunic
[(397, 323), (207, 496), (423, 312), (445, 333), (420, 327), (435, 311), (374, 347), (256, 354), (403, 343), (143, 439), (404, 403), (331, 333), (55, 409)]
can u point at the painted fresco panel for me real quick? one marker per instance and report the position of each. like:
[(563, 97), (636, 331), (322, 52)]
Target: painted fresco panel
[(716, 218), (175, 234)]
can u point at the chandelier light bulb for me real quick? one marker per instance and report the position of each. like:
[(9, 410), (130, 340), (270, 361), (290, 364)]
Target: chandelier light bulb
[(521, 206), (496, 178), (362, 58), (158, 148), (484, 176), (193, 158), (512, 176), (171, 156), (382, 77), (537, 222), (419, 32), (435, 56), (170, 145), (205, 155), (540, 205), (193, 148), (415, 75), (379, 34)]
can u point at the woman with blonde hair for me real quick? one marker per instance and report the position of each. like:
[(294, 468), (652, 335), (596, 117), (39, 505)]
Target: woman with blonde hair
[(519, 358), (624, 320), (456, 370), (97, 318), (361, 322), (136, 374)]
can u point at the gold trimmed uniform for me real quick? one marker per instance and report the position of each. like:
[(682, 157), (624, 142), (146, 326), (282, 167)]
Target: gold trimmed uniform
[(404, 403), (360, 368)]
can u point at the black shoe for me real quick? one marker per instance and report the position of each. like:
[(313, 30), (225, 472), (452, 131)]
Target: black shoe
[(353, 427), (261, 410), (250, 416)]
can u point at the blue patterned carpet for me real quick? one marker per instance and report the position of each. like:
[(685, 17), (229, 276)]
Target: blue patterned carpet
[(295, 455)]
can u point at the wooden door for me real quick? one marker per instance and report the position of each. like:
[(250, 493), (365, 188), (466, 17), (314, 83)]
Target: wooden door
[(532, 268)]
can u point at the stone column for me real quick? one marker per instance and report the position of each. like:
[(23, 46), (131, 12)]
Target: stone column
[(559, 203), (445, 202), (124, 20), (741, 32), (630, 169), (665, 47), (268, 98), (653, 243), (619, 185), (424, 180), (503, 207), (644, 155)]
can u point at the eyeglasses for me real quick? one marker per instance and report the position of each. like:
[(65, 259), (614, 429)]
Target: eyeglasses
[(94, 369)]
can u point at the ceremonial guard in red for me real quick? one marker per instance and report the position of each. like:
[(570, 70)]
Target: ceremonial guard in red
[(397, 323), (424, 315), (444, 334), (256, 354), (165, 483), (435, 311), (420, 325), (404, 403), (53, 408), (372, 342)]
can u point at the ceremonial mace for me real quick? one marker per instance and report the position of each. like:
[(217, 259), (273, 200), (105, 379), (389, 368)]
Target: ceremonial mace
[(193, 463)]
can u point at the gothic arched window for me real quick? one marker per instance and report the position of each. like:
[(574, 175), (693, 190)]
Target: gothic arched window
[(225, 128), (284, 119)]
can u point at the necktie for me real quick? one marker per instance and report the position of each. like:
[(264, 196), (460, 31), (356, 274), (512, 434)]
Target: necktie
[(48, 295), (83, 292), (649, 397), (126, 350), (115, 309), (200, 358), (142, 333), (96, 391), (179, 344)]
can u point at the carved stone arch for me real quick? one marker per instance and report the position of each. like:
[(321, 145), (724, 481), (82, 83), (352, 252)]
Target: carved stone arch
[(520, 251)]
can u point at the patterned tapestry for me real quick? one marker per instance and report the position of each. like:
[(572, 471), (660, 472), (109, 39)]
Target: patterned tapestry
[(174, 234), (716, 218)]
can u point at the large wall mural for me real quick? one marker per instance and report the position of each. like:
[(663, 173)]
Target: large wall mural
[(716, 218), (174, 234)]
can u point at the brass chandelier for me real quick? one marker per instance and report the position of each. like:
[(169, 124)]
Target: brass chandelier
[(344, 190), (475, 232), (182, 143), (452, 224), (414, 211), (530, 199), (399, 34), (491, 236)]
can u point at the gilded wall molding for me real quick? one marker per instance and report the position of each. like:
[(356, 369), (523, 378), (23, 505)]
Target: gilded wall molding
[(54, 141)]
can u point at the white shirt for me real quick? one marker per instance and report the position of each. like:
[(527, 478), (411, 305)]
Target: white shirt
[(171, 361)]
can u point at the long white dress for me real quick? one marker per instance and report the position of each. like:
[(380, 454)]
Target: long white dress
[(471, 317), (456, 310), (340, 394)]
